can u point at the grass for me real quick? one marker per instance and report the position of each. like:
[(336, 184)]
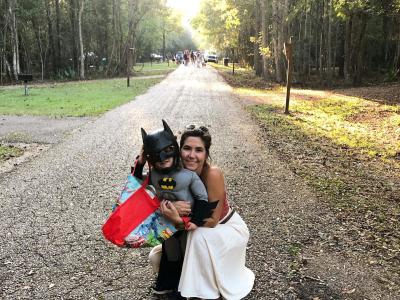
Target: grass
[(346, 148), (7, 152), (156, 68), (364, 126), (243, 77), (87, 98)]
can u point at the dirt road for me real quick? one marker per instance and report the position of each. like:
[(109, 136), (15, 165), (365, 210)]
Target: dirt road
[(52, 207)]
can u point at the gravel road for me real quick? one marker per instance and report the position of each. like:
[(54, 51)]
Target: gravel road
[(53, 206)]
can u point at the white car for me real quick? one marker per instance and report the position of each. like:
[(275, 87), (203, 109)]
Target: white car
[(155, 56), (212, 57)]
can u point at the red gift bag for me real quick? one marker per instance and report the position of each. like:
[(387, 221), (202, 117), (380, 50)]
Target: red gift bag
[(129, 215)]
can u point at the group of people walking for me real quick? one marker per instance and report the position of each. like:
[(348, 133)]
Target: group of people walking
[(195, 58)]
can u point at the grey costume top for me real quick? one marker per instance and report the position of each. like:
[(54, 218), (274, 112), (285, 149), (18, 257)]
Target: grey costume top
[(180, 184)]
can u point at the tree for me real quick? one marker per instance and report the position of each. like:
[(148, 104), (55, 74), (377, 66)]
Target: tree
[(265, 10), (258, 67), (81, 53), (14, 37)]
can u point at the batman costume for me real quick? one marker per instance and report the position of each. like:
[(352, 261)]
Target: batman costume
[(174, 183)]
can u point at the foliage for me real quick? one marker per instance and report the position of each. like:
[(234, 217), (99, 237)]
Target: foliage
[(48, 35), (345, 39), (219, 21)]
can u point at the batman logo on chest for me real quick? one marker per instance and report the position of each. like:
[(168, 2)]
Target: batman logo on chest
[(167, 183)]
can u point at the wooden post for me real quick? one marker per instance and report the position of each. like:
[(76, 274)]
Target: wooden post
[(233, 61), (288, 48), (129, 57)]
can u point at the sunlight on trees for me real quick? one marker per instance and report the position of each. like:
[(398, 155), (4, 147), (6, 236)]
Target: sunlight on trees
[(334, 39)]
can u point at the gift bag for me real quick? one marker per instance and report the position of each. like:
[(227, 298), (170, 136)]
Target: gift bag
[(136, 220)]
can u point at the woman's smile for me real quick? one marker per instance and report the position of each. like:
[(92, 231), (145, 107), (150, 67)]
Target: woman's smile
[(190, 164)]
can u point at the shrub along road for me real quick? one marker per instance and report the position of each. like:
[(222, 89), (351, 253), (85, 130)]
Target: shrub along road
[(53, 206)]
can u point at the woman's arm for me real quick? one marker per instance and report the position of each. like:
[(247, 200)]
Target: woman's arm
[(215, 184)]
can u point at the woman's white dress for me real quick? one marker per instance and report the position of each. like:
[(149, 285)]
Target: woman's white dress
[(214, 263)]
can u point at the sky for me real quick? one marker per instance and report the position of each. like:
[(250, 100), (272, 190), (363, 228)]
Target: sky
[(188, 8)]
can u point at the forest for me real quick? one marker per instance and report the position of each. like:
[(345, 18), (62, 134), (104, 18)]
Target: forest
[(67, 39), (342, 39), (345, 41)]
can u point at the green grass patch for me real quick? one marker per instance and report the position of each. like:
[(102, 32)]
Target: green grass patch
[(155, 69), (243, 77), (351, 122), (7, 152), (87, 98), (295, 265), (294, 249)]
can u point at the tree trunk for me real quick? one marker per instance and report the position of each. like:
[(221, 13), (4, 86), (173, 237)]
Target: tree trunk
[(340, 51), (58, 35), (329, 41), (264, 43), (14, 39), (284, 36), (257, 30), (348, 47), (114, 39), (36, 30), (335, 49), (385, 33), (304, 43), (277, 39), (163, 44), (8, 67), (317, 40), (51, 38), (357, 78), (321, 41), (396, 61), (73, 21), (82, 55)]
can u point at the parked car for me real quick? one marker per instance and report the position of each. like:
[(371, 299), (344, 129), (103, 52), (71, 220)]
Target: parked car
[(212, 57), (155, 56)]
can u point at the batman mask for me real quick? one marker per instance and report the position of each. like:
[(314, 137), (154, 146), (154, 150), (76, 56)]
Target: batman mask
[(161, 145)]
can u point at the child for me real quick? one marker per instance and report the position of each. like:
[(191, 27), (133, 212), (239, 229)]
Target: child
[(170, 180)]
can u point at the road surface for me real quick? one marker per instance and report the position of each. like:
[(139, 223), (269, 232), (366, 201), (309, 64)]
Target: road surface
[(53, 207)]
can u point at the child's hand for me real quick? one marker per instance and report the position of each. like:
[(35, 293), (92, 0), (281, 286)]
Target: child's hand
[(191, 226), (142, 157)]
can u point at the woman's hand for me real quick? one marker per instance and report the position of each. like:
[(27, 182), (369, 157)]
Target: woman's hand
[(169, 211), (182, 207)]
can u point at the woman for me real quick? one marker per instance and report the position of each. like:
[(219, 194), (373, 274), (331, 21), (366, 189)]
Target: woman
[(214, 261)]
